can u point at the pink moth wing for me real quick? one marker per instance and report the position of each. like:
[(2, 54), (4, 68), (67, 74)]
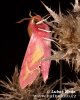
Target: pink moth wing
[(38, 48)]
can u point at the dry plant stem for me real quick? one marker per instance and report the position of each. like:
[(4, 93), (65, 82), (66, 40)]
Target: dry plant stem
[(60, 75)]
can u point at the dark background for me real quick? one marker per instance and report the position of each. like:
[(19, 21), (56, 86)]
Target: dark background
[(14, 38)]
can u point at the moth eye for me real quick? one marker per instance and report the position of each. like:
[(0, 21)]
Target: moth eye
[(35, 21)]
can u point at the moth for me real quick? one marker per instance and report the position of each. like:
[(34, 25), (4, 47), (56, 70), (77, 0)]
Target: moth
[(38, 48)]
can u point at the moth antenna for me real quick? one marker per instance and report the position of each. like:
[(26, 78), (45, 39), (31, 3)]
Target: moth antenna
[(52, 13), (20, 21), (30, 14)]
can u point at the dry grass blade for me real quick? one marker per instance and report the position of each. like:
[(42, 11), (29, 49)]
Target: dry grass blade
[(38, 90)]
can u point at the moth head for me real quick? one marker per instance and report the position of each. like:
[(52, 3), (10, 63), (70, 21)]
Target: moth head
[(37, 25)]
